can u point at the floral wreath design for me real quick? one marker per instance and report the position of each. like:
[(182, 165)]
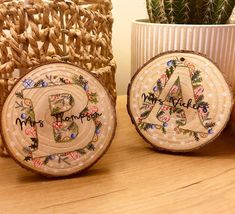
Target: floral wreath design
[(27, 115), (165, 112)]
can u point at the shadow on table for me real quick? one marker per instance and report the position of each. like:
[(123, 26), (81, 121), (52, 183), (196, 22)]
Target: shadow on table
[(29, 177)]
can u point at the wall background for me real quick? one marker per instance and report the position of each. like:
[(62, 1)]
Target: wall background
[(124, 12)]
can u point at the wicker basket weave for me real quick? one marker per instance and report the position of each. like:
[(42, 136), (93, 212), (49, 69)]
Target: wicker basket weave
[(38, 32)]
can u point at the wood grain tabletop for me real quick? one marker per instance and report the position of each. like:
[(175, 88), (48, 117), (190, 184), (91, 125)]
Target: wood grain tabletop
[(130, 178)]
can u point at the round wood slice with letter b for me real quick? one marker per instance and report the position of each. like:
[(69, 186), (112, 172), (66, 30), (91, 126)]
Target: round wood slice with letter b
[(179, 101), (58, 120)]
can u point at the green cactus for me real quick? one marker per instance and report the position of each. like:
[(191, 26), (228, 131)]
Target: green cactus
[(178, 11), (208, 8), (224, 9), (190, 11), (156, 11)]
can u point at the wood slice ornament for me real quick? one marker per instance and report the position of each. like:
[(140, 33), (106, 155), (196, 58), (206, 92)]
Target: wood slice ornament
[(179, 101), (58, 120)]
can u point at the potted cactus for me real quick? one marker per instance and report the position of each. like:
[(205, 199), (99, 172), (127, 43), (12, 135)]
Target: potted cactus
[(196, 25)]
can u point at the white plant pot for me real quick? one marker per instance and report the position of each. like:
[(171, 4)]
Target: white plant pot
[(215, 41)]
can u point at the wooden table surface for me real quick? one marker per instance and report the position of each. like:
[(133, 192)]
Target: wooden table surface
[(130, 178)]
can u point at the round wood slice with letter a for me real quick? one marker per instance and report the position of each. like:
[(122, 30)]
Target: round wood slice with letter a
[(179, 101), (58, 120)]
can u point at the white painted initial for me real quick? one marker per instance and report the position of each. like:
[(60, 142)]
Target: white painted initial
[(193, 120)]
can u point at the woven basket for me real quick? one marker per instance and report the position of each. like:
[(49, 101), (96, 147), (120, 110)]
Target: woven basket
[(38, 32)]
